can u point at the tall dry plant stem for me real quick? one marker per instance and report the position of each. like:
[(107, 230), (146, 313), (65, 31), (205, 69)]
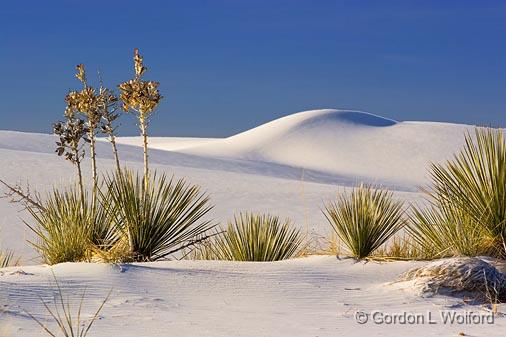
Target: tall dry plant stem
[(71, 133), (142, 97), (90, 108), (80, 178), (87, 103), (112, 139), (94, 175), (108, 107), (77, 162), (144, 133)]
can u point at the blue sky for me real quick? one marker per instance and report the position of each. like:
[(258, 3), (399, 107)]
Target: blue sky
[(226, 66)]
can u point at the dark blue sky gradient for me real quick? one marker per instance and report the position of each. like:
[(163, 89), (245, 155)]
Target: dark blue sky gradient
[(227, 66)]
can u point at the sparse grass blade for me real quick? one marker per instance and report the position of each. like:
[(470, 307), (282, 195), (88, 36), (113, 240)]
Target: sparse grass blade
[(6, 258), (365, 219), (69, 324)]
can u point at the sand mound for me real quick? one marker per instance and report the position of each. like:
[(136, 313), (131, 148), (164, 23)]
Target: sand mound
[(347, 143), (459, 275)]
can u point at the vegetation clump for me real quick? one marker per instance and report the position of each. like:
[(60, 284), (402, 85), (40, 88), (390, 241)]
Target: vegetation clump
[(365, 219), (467, 213), (124, 218), (68, 226), (253, 237), (160, 219)]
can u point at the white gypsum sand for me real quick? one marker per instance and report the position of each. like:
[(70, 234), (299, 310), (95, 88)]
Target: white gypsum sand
[(288, 167)]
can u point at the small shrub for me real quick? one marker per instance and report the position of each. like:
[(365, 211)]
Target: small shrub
[(365, 219), (159, 219), (255, 237)]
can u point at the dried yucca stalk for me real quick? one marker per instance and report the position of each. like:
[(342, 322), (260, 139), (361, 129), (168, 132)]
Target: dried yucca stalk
[(142, 97)]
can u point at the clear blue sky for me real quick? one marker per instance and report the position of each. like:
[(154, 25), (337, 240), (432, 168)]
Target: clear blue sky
[(226, 66)]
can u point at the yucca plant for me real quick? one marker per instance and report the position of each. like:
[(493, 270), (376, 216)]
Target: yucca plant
[(159, 219), (448, 231), (365, 219), (257, 237), (468, 198), (68, 226)]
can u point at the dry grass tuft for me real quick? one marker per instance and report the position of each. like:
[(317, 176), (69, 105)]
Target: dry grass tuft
[(6, 258), (402, 248)]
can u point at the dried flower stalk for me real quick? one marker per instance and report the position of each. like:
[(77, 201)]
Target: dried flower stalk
[(69, 145), (87, 103), (141, 97), (108, 107)]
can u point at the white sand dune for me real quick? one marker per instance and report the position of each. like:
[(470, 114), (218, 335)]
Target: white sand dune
[(289, 167)]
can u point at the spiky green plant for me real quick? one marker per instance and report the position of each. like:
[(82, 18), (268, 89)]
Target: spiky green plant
[(468, 197), (257, 237), (69, 324), (448, 231), (159, 219), (67, 226), (365, 219)]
